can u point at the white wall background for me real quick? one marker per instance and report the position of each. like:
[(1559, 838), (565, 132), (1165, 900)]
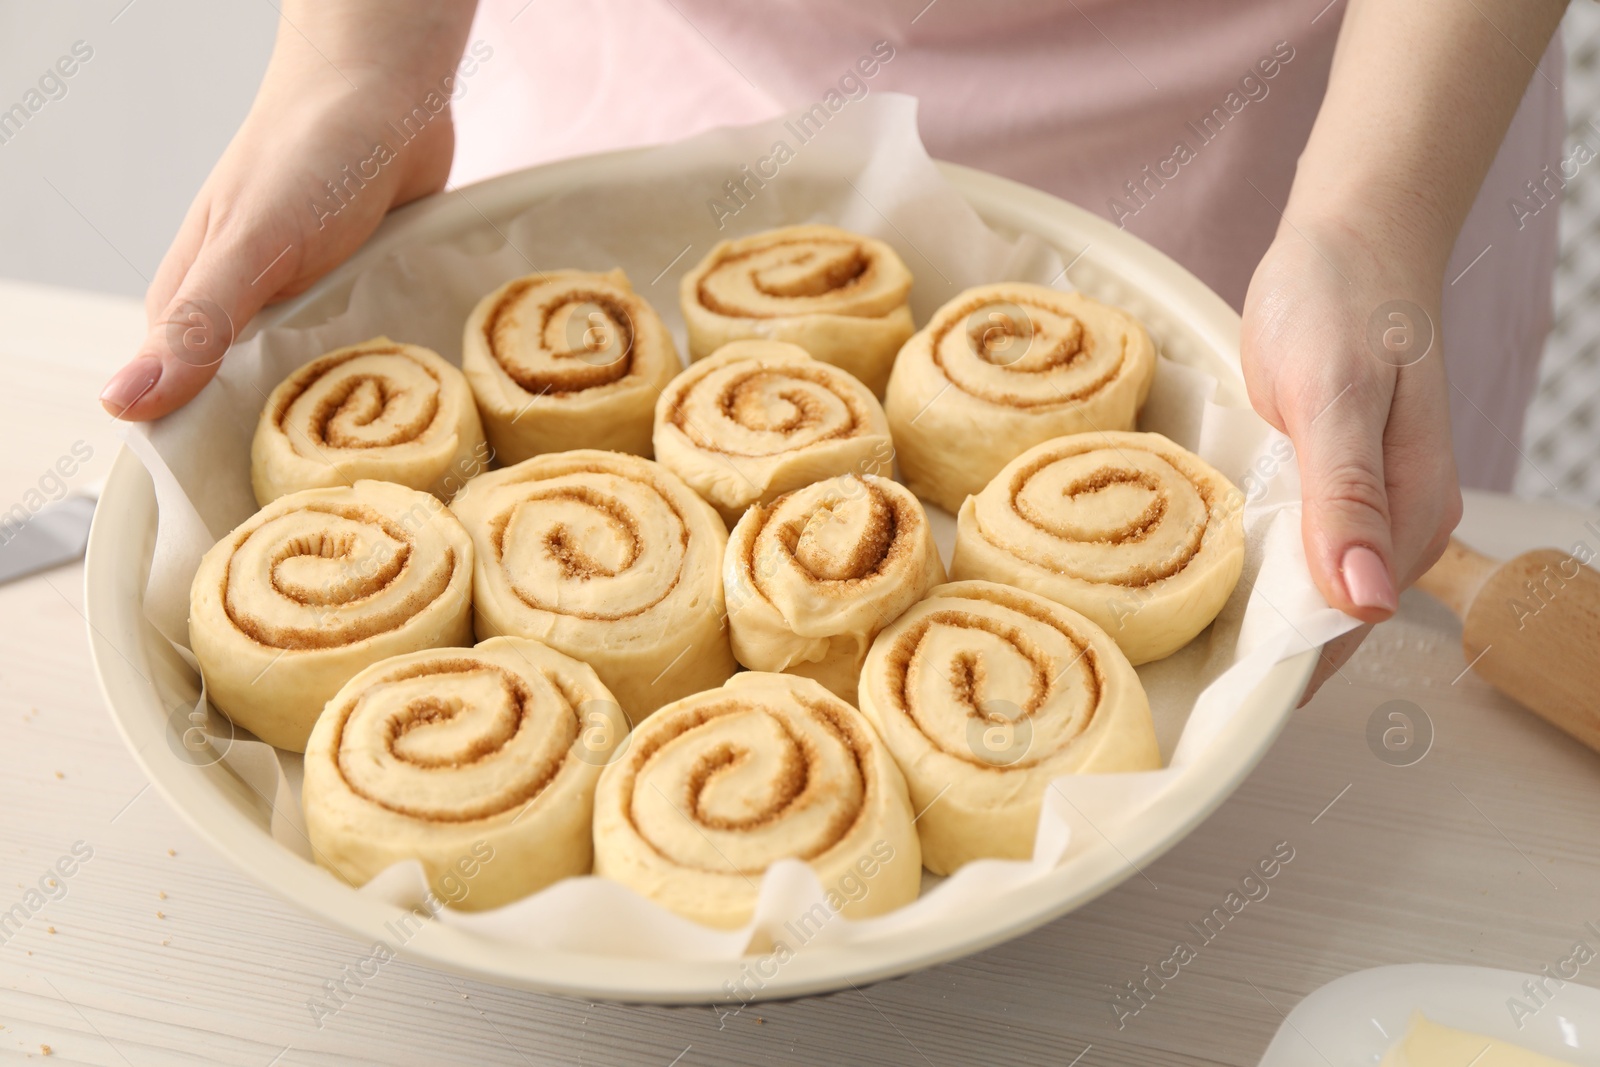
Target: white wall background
[(94, 185)]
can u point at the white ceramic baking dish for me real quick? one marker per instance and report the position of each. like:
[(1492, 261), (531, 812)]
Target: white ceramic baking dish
[(144, 679)]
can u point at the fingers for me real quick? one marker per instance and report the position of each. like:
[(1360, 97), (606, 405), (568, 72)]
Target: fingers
[(1346, 521), (180, 255), (1424, 495), (193, 329)]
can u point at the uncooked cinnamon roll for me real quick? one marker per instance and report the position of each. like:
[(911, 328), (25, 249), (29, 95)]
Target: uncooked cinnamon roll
[(480, 763), (566, 359), (719, 786), (984, 694), (812, 577), (760, 418), (379, 409), (1003, 367), (609, 558), (318, 585), (1140, 535), (836, 294)]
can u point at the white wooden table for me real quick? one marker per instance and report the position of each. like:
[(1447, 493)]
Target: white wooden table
[(1485, 852)]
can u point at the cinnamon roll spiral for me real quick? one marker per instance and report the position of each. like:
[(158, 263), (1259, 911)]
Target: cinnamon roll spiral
[(1003, 367), (315, 587), (609, 558), (836, 294), (759, 418), (812, 577), (480, 763), (566, 359), (984, 694), (1140, 535), (717, 787), (378, 409)]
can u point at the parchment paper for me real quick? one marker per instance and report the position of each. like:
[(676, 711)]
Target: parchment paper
[(867, 171)]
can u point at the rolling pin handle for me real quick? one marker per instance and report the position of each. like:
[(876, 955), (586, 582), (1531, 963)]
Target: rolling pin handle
[(1457, 577)]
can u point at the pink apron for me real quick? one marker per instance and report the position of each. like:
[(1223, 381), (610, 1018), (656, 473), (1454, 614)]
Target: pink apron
[(1181, 120)]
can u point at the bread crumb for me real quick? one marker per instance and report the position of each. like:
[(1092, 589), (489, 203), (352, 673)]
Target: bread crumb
[(161, 894), (60, 775), (45, 1050), (166, 941), (760, 1021), (170, 852), (161, 915), (50, 929)]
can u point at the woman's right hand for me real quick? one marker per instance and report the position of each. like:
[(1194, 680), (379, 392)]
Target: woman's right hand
[(340, 132), (1370, 422)]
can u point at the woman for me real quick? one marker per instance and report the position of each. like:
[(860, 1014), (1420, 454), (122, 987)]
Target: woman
[(1356, 267)]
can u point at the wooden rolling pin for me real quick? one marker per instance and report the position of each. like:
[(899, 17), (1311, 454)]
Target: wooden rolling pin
[(1530, 628)]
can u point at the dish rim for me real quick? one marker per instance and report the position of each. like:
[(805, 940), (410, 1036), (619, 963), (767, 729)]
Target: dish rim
[(116, 565)]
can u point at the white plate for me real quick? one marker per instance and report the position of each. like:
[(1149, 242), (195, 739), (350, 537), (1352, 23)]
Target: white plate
[(1352, 1021), (144, 680)]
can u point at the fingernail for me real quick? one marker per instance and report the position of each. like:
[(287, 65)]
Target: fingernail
[(1366, 579), (130, 383)]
